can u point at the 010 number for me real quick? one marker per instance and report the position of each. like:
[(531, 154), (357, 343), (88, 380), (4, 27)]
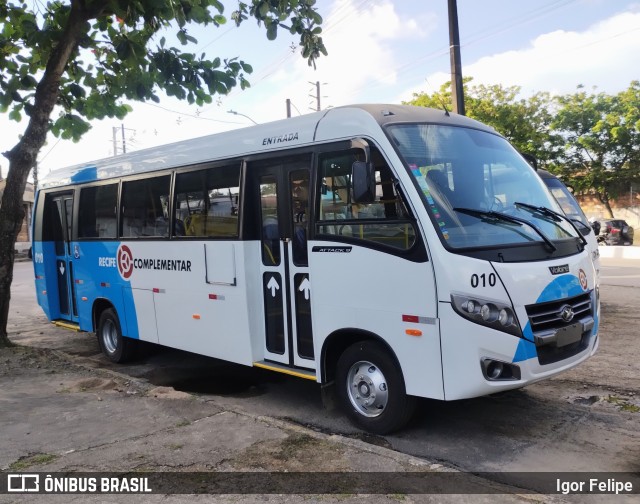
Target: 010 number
[(483, 280)]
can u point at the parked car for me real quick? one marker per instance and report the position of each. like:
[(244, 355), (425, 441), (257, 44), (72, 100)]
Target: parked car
[(615, 232)]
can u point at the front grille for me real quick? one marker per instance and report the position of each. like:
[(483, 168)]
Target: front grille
[(546, 316), (547, 323)]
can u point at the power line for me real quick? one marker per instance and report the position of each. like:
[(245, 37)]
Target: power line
[(49, 151), (194, 116)]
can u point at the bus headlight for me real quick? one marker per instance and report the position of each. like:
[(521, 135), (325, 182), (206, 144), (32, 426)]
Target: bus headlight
[(494, 314), (505, 317)]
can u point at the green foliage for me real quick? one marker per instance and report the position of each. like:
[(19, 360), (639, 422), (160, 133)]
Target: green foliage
[(601, 135), (524, 122), (119, 55)]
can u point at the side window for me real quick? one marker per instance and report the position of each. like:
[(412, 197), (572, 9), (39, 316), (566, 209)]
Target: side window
[(145, 207), (385, 220), (53, 226), (97, 216), (206, 203), (299, 187), (269, 218)]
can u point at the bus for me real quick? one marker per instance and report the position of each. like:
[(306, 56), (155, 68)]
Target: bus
[(571, 208), (386, 252)]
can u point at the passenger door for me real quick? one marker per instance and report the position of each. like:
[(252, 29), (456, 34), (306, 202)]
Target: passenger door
[(282, 190), (59, 209)]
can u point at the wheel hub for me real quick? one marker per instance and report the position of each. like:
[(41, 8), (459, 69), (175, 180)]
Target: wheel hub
[(367, 389)]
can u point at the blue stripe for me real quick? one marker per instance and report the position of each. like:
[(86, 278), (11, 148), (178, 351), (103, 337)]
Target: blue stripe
[(561, 287)]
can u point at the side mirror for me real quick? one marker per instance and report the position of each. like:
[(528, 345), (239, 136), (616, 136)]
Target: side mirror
[(363, 182)]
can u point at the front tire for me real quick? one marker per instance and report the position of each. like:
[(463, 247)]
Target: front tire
[(371, 388), (116, 347)]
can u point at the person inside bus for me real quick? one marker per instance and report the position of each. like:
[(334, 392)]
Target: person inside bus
[(438, 180)]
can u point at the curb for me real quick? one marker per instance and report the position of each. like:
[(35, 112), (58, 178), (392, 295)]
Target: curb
[(619, 252)]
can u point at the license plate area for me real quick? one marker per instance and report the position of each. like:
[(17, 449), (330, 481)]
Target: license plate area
[(569, 334)]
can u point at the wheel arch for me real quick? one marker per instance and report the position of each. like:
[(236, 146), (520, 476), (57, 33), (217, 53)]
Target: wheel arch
[(99, 306), (338, 341)]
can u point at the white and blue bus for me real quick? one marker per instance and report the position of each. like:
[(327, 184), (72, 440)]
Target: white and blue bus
[(386, 252)]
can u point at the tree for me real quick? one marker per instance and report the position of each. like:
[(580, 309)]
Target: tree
[(84, 58), (524, 122), (601, 135)]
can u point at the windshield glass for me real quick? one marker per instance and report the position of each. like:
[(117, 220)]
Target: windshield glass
[(473, 183)]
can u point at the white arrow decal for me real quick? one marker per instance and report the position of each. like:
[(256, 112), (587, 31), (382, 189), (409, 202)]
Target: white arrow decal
[(273, 285), (61, 268), (305, 287)]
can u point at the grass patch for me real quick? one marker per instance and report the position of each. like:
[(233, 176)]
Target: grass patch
[(623, 404), (32, 460)]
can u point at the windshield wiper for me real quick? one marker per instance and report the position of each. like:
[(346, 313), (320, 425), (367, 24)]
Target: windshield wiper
[(496, 216), (555, 216)]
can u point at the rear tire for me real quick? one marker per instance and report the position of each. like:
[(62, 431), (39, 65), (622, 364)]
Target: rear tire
[(114, 346), (371, 389)]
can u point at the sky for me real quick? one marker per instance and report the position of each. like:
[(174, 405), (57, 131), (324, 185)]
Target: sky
[(380, 51)]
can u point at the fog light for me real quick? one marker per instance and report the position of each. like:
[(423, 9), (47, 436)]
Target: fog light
[(494, 370)]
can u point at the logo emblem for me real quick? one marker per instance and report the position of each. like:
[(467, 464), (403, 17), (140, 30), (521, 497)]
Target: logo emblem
[(566, 313), (125, 261), (76, 251), (583, 279), (558, 270)]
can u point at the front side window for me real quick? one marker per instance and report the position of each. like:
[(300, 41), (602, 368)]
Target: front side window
[(145, 207), (206, 203), (478, 190), (98, 212), (385, 220)]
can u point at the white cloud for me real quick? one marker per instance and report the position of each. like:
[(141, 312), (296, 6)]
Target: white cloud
[(359, 38), (606, 55)]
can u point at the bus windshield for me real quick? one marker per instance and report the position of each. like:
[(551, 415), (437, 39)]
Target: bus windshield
[(479, 191), (566, 200)]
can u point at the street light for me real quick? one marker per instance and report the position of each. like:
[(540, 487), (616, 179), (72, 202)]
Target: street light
[(243, 115)]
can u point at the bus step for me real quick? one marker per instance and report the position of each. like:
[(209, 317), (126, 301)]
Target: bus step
[(307, 374), (65, 324)]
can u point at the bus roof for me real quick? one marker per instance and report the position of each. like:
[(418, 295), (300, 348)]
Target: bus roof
[(331, 124)]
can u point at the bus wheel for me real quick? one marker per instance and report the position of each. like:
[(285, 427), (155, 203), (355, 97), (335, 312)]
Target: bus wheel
[(115, 346), (371, 389)]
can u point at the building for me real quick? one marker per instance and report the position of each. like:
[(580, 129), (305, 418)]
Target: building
[(23, 242)]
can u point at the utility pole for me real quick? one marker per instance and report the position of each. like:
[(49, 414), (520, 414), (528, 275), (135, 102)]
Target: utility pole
[(115, 130), (317, 96), (457, 90), (288, 108)]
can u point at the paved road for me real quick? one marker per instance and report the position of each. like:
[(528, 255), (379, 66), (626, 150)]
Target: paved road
[(584, 420), (620, 272)]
